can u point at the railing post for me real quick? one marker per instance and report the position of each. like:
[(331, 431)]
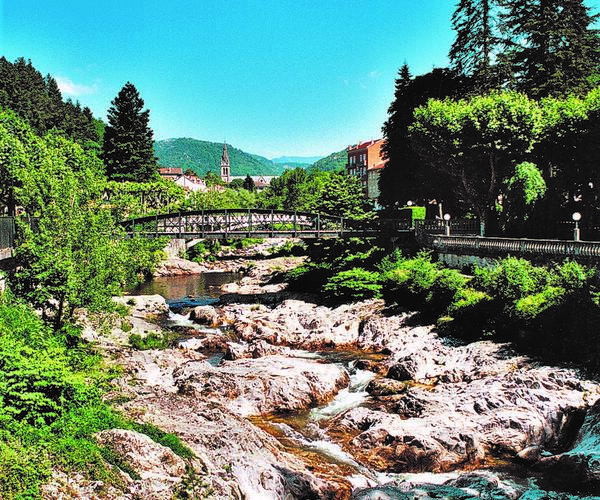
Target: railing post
[(341, 226), (272, 223), (226, 223), (294, 224), (318, 224), (249, 222), (133, 227), (179, 225), (156, 225), (203, 224)]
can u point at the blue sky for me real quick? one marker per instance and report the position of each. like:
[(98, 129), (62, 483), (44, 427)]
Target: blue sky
[(271, 77)]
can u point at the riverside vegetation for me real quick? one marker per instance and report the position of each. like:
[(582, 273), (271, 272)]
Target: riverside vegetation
[(51, 381), (551, 309)]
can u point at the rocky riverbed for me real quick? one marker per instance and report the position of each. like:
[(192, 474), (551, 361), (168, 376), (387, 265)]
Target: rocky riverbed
[(435, 418)]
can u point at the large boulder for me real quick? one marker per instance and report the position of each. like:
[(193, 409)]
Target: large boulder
[(581, 464), (158, 469), (412, 427), (264, 385)]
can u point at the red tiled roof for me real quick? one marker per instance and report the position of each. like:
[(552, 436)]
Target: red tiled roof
[(170, 171), (363, 144)]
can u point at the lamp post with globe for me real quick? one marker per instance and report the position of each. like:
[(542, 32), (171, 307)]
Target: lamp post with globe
[(576, 217), (447, 219)]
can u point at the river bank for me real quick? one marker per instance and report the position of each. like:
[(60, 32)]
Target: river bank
[(400, 411)]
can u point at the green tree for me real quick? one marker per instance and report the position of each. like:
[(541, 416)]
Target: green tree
[(520, 194), (552, 46), (342, 195), (248, 184), (476, 143), (128, 149), (212, 179), (405, 176), (69, 256), (477, 41), (286, 192)]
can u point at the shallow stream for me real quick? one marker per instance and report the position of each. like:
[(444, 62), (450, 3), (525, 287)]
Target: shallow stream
[(302, 433)]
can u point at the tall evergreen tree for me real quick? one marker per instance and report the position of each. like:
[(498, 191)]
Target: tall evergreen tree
[(553, 48), (476, 43), (404, 177), (128, 149)]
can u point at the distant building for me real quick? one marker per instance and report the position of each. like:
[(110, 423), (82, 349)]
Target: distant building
[(171, 173), (260, 181), (366, 163), (187, 182)]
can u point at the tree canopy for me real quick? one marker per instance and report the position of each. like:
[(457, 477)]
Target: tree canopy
[(128, 149)]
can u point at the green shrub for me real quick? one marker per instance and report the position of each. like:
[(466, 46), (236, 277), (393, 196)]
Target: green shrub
[(446, 285), (22, 469), (531, 306), (473, 314), (355, 284), (390, 261), (511, 279), (411, 281), (166, 439), (153, 340), (572, 276), (309, 277)]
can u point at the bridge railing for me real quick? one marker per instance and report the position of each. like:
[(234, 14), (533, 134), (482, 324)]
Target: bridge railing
[(239, 222), (456, 226), (527, 247)]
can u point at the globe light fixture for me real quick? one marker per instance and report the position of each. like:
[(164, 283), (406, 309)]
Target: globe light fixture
[(576, 217), (447, 219)]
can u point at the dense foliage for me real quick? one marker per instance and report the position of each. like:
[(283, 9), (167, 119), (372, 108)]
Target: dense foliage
[(550, 309), (511, 124), (331, 193), (128, 147), (38, 100), (69, 256)]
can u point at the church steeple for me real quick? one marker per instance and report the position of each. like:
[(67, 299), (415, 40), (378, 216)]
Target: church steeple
[(225, 165)]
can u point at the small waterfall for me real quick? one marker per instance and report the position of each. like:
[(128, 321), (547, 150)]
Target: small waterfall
[(318, 443), (351, 397)]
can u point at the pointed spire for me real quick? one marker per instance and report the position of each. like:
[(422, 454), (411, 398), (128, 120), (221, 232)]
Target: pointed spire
[(225, 165), (225, 156)]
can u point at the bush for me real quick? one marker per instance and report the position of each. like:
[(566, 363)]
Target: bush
[(473, 313), (409, 283), (309, 277), (531, 306), (354, 284), (154, 340), (446, 285), (511, 279)]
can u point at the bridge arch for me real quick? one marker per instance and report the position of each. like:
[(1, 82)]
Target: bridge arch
[(238, 223)]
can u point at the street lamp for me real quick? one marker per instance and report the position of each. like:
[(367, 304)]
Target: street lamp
[(447, 219), (576, 217)]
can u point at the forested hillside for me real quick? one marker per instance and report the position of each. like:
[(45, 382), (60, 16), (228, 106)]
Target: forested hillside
[(335, 161), (38, 100), (204, 156)]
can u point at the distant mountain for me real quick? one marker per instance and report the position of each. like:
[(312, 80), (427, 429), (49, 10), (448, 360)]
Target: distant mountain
[(296, 160), (335, 161), (202, 156)]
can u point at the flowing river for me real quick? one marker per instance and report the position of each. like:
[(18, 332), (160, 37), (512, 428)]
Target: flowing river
[(301, 433)]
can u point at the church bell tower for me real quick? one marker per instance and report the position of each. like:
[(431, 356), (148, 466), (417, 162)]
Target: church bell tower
[(225, 165)]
